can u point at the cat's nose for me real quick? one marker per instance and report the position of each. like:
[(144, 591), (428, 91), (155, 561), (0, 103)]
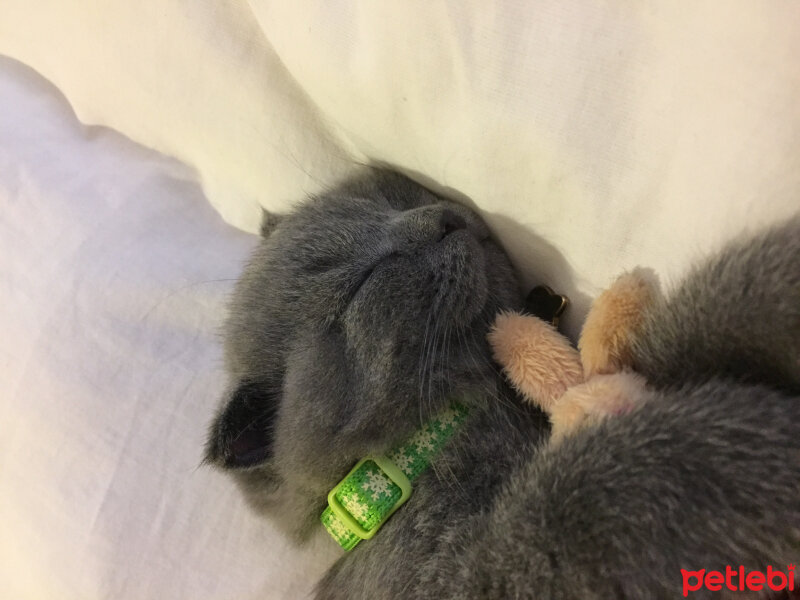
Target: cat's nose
[(433, 223), (450, 222)]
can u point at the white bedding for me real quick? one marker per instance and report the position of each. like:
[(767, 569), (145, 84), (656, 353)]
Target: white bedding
[(113, 275), (593, 138)]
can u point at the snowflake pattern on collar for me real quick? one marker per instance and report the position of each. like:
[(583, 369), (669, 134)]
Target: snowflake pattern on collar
[(369, 495)]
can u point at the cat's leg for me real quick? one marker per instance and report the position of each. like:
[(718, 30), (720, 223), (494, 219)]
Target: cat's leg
[(737, 315), (694, 479)]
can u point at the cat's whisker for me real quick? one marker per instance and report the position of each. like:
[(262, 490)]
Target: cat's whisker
[(421, 371), (432, 365)]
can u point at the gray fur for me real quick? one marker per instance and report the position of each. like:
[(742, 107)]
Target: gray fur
[(737, 315), (358, 317)]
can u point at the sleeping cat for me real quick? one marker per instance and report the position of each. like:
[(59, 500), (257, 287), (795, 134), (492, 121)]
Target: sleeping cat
[(364, 313)]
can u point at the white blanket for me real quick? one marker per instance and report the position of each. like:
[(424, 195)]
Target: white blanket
[(113, 275), (593, 137)]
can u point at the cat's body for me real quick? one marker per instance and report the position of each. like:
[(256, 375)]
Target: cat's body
[(365, 313)]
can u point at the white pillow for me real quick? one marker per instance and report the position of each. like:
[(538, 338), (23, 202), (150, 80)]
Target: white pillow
[(594, 137)]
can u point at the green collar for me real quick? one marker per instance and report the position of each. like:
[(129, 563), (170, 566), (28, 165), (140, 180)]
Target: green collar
[(378, 485)]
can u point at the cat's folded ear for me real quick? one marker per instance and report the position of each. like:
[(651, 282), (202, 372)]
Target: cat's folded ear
[(242, 434), (268, 222)]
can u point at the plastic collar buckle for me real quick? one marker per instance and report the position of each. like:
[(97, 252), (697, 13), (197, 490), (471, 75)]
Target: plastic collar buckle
[(393, 472)]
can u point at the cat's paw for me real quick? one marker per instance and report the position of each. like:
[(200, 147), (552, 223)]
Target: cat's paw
[(592, 401), (538, 361), (613, 320)]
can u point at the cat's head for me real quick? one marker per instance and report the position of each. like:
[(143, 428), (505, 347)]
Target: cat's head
[(357, 317)]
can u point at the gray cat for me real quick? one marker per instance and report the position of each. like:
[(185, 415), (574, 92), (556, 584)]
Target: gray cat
[(365, 312)]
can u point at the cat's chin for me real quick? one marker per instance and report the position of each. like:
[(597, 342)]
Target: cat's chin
[(464, 279)]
